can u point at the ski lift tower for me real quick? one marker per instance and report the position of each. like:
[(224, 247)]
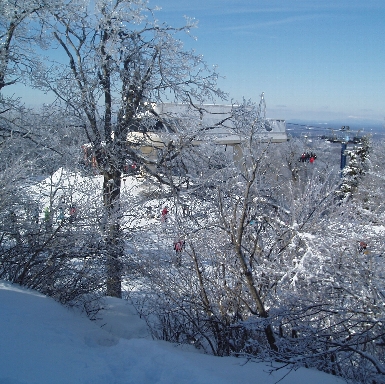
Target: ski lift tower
[(345, 138), (344, 144)]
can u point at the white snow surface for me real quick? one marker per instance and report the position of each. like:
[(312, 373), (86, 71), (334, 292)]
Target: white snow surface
[(43, 342)]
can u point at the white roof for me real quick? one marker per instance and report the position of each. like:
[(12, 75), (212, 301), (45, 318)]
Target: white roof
[(273, 129)]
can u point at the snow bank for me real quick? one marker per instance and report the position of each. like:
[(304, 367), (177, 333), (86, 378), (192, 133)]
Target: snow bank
[(43, 342)]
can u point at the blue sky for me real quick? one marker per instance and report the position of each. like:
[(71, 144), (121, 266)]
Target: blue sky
[(313, 59)]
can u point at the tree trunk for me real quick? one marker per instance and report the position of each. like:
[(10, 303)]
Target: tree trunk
[(258, 301), (114, 246)]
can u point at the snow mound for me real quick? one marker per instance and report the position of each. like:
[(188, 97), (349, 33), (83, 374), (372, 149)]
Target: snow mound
[(43, 342)]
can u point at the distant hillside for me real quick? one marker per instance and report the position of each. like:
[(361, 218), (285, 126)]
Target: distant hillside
[(300, 128)]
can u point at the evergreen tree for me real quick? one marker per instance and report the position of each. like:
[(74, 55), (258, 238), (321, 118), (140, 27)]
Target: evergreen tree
[(356, 167)]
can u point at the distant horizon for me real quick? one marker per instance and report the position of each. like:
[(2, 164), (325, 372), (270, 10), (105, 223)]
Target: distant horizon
[(314, 130), (344, 122), (35, 99), (337, 124)]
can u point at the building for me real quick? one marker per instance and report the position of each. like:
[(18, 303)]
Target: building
[(217, 128), (274, 130), (210, 118)]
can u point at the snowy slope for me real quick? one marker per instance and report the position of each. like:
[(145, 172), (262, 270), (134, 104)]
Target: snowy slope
[(45, 343)]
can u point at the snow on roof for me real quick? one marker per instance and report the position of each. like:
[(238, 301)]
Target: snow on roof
[(274, 129)]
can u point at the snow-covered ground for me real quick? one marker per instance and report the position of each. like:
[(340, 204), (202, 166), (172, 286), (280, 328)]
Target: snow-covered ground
[(43, 342)]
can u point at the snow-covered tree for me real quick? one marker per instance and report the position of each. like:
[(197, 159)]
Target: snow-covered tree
[(272, 268), (39, 246), (121, 60), (356, 168)]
